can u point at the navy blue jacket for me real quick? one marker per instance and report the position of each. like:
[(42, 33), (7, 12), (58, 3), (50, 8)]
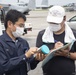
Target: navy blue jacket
[(12, 56)]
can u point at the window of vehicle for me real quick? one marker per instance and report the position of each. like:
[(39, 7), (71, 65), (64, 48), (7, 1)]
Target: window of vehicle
[(23, 4), (73, 19)]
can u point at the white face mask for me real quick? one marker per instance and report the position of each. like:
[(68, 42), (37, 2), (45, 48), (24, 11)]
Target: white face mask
[(19, 31), (54, 27)]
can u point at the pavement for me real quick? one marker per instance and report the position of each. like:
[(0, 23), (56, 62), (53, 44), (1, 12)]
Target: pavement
[(38, 20)]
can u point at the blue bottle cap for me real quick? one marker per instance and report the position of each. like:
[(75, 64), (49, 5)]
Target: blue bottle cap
[(45, 49)]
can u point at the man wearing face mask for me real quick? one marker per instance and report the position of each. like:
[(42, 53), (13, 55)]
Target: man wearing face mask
[(16, 58), (57, 34)]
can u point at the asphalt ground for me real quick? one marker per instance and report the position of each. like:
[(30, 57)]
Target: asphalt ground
[(38, 20)]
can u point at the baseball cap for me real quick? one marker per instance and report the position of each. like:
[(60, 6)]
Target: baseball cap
[(56, 14)]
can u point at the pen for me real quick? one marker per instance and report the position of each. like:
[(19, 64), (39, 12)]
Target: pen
[(55, 41)]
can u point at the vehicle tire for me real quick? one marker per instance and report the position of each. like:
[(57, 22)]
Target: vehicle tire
[(26, 13)]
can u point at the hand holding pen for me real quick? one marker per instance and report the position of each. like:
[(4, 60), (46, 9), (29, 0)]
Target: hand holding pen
[(58, 44), (60, 52)]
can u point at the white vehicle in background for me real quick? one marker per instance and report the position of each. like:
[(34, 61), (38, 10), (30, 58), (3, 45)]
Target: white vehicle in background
[(22, 7), (72, 22), (27, 27), (71, 7), (1, 27)]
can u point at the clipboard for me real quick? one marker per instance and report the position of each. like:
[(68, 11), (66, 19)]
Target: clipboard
[(51, 53)]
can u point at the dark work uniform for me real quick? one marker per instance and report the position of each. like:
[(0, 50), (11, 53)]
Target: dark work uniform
[(58, 65), (12, 56)]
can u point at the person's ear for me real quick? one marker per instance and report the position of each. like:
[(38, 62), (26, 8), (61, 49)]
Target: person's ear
[(9, 23), (64, 18)]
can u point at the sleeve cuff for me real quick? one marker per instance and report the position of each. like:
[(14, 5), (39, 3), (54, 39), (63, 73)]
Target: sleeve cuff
[(24, 58)]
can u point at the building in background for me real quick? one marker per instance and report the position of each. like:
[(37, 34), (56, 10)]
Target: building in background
[(42, 4), (48, 3)]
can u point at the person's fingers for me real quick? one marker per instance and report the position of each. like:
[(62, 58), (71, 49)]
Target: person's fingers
[(31, 51), (40, 56), (58, 44), (43, 56)]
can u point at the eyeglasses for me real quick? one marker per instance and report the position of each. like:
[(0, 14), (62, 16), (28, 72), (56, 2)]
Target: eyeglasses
[(20, 25)]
